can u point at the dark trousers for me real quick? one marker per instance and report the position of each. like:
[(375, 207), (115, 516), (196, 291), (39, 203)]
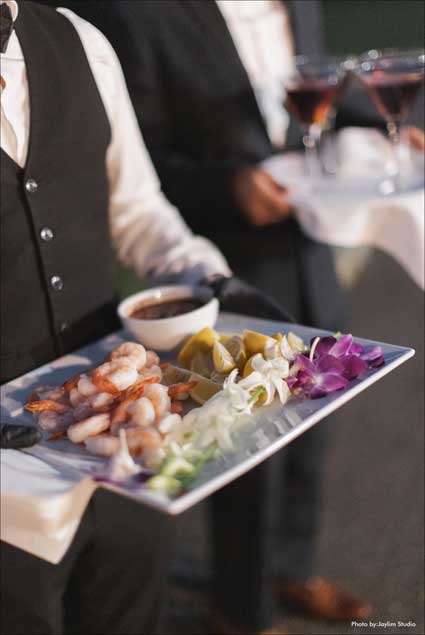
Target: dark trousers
[(111, 580), (264, 524)]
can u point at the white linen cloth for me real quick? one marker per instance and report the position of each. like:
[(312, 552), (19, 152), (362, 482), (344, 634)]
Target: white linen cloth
[(148, 233), (43, 518), (41, 506), (349, 210), (261, 32)]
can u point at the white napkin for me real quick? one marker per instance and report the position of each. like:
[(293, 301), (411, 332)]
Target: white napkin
[(350, 210), (41, 519)]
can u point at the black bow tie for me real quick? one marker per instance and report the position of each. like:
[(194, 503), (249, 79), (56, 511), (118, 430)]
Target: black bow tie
[(6, 26)]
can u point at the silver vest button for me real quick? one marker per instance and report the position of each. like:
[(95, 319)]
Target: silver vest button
[(46, 234), (64, 327), (31, 186), (56, 283)]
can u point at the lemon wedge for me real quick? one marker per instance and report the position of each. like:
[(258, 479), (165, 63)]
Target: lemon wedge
[(203, 341), (248, 368), (223, 361), (202, 364), (225, 337), (256, 342), (204, 389), (218, 378), (175, 375), (236, 348)]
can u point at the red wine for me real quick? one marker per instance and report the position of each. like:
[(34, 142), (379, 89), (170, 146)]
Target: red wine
[(393, 93), (311, 101)]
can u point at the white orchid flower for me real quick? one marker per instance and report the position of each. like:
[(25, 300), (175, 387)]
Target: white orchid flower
[(272, 349), (286, 350), (269, 374), (290, 346), (121, 465), (237, 395)]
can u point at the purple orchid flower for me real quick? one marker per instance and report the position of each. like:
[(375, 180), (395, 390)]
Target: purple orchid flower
[(345, 346), (317, 379), (332, 364)]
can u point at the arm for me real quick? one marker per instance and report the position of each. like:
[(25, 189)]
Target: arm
[(148, 232), (188, 184)]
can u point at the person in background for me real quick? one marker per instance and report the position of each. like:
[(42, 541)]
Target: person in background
[(206, 80), (77, 190)]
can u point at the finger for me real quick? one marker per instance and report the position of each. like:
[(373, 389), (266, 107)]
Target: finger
[(267, 216), (259, 215), (416, 138), (274, 197), (277, 206)]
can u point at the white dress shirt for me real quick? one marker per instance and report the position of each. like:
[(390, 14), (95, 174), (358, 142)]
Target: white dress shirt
[(262, 36), (148, 232)]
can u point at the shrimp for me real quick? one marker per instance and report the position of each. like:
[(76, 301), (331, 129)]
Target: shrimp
[(56, 393), (101, 400), (133, 353), (152, 359), (71, 383), (136, 390), (47, 404), (168, 422), (141, 439), (86, 386), (152, 371), (120, 414), (114, 376), (79, 432), (75, 397), (83, 411), (181, 389), (142, 412), (176, 407), (158, 394), (102, 444), (55, 422), (57, 436)]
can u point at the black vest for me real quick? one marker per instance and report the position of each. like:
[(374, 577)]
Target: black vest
[(57, 265)]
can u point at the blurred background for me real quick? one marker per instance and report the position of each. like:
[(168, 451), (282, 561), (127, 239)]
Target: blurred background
[(394, 23)]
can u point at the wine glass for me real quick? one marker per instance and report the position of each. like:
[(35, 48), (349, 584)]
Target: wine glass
[(393, 78), (328, 149), (311, 91)]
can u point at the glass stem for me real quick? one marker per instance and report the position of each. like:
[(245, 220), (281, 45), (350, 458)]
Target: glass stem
[(328, 150), (394, 166), (311, 141)]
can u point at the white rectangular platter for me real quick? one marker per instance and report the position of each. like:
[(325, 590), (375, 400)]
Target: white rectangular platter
[(271, 428)]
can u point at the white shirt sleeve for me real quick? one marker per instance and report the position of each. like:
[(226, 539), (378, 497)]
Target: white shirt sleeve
[(148, 232)]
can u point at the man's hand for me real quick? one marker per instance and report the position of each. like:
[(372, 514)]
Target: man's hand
[(260, 198), (237, 296), (414, 137), (16, 436)]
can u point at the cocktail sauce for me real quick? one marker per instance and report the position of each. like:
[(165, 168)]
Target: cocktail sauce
[(149, 310)]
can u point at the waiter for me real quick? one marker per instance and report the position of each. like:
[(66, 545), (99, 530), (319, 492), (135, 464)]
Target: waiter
[(77, 185), (206, 79)]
